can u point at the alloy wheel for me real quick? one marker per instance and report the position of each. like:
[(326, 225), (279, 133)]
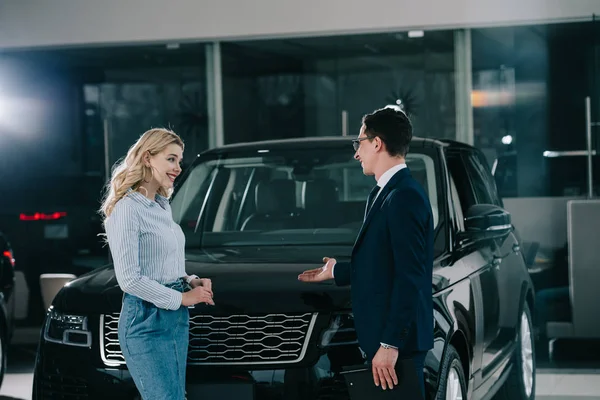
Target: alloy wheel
[(526, 355), (453, 387)]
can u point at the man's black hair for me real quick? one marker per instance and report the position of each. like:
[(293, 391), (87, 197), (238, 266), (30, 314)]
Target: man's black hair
[(393, 127)]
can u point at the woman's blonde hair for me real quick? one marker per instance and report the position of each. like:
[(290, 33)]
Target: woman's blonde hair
[(131, 171)]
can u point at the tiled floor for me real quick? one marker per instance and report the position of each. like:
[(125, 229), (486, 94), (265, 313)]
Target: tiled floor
[(557, 385), (574, 372), (19, 378), (570, 397), (574, 375)]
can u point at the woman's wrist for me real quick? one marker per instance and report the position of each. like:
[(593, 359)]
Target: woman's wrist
[(190, 278)]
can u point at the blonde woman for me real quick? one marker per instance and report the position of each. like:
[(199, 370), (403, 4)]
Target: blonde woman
[(147, 247)]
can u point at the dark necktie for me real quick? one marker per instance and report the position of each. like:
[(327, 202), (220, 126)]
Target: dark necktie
[(371, 199)]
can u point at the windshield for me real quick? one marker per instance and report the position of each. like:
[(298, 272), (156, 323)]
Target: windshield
[(292, 197)]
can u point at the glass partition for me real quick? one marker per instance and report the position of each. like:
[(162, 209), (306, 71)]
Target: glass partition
[(323, 86)]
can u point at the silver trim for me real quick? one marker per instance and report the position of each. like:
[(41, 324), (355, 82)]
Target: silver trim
[(588, 137), (567, 153), (309, 332), (499, 227), (109, 363)]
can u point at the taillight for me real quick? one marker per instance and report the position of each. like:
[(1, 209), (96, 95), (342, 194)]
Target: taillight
[(8, 254), (42, 216)]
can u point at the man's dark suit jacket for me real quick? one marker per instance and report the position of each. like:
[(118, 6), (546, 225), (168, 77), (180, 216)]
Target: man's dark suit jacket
[(391, 270)]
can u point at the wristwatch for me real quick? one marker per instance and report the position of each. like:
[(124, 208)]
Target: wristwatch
[(190, 278), (387, 346)]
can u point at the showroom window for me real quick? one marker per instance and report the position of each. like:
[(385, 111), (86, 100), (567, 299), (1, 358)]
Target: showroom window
[(127, 91), (323, 86), (529, 90)]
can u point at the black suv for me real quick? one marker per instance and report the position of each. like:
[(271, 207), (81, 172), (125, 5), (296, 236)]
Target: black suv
[(255, 216), (7, 300)]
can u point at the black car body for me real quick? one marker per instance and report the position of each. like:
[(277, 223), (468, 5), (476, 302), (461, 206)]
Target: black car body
[(53, 224), (255, 216), (7, 300)]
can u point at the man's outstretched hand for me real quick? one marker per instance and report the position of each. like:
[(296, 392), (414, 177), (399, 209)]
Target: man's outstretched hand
[(319, 274)]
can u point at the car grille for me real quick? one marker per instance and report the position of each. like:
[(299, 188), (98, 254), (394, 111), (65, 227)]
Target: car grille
[(59, 387), (234, 339)]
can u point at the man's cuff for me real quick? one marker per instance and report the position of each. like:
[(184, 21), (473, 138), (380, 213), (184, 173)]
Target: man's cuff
[(333, 271), (388, 346)]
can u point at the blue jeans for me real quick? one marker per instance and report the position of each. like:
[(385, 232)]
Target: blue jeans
[(154, 342)]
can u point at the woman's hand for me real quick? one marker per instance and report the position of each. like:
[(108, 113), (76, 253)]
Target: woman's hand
[(199, 294), (204, 282)]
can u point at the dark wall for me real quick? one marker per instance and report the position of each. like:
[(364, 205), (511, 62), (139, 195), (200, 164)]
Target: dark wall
[(39, 126)]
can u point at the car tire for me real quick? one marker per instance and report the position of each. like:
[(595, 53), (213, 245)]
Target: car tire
[(452, 383), (520, 384)]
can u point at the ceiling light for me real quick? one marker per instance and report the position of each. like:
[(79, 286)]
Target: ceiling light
[(416, 34)]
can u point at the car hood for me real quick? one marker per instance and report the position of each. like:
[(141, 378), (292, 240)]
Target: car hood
[(245, 280)]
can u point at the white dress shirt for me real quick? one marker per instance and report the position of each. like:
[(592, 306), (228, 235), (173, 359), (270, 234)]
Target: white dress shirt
[(386, 176), (148, 248)]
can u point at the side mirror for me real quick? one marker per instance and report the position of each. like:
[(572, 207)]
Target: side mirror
[(486, 221)]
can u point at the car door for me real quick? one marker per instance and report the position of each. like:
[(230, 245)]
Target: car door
[(508, 258), (483, 254), (503, 294)]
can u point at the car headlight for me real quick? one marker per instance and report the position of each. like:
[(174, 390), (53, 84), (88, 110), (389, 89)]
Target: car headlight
[(67, 329)]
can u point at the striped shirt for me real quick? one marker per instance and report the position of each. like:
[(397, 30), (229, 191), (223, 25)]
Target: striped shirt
[(148, 248)]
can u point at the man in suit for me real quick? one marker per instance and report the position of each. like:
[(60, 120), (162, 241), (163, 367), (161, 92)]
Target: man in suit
[(392, 259)]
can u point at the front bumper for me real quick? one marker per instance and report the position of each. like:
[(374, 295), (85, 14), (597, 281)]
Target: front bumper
[(66, 372)]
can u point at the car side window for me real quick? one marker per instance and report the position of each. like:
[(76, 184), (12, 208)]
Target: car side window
[(483, 186), (460, 177), (457, 204), (482, 165)]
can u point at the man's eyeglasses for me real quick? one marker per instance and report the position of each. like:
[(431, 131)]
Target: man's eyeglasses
[(356, 142)]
